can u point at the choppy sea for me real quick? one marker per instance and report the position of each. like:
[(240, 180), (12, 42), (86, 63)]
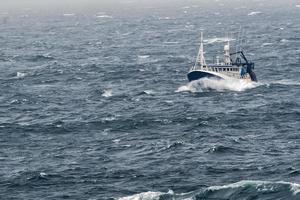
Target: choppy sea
[(98, 106)]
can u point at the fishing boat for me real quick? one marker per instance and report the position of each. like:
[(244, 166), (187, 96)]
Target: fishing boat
[(234, 66)]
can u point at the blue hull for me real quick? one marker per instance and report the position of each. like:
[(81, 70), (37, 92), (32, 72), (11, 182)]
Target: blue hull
[(196, 75)]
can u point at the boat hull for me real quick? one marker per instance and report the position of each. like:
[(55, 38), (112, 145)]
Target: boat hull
[(196, 75), (200, 74)]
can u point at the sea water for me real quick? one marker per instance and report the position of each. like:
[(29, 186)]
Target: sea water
[(98, 105)]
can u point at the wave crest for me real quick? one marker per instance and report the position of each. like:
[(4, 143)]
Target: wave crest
[(245, 189), (144, 196)]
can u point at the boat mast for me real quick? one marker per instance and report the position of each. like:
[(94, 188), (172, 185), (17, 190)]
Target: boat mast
[(227, 60), (200, 57)]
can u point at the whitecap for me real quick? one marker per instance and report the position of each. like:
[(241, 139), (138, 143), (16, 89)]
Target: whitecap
[(187, 88), (236, 185), (109, 119), (21, 74), (68, 14), (285, 82), (143, 56), (264, 187), (144, 196), (186, 7), (297, 6), (143, 59), (267, 44), (107, 93), (267, 185), (164, 18), (116, 141), (149, 92), (43, 174), (104, 16), (14, 101), (254, 13), (218, 40), (295, 188), (175, 144), (126, 34), (170, 42)]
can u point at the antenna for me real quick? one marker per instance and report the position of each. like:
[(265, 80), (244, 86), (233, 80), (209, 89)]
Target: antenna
[(238, 41), (243, 32)]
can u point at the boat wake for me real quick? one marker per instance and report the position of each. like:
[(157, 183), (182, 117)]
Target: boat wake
[(208, 84), (241, 190), (284, 82)]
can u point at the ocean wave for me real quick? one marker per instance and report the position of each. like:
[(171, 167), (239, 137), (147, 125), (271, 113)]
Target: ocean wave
[(108, 119), (254, 13), (31, 178), (143, 56), (223, 149), (39, 57), (104, 16), (284, 40), (246, 189), (207, 84), (20, 74), (169, 42), (175, 144), (266, 44), (144, 196), (68, 14), (107, 93), (148, 92), (284, 82), (143, 59), (218, 40)]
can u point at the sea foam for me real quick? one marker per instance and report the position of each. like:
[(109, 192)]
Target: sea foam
[(144, 196), (206, 84)]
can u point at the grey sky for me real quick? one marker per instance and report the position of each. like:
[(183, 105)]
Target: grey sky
[(12, 5), (9, 5)]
